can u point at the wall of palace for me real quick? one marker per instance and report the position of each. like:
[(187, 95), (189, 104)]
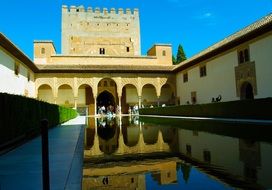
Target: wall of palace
[(226, 75), (16, 77), (239, 157), (260, 52)]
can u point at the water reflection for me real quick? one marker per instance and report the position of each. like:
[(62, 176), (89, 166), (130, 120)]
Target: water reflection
[(124, 153), (242, 161), (116, 136)]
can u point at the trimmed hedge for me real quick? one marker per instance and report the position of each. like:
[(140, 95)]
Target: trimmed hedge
[(244, 109), (20, 116)]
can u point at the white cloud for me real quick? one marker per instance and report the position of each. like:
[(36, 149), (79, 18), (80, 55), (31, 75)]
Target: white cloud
[(207, 15)]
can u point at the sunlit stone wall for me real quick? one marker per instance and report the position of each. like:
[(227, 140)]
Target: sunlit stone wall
[(12, 83)]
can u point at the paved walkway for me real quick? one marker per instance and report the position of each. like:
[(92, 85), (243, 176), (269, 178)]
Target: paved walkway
[(21, 168)]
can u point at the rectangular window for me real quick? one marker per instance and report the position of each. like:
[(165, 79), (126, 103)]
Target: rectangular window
[(185, 77), (16, 68), (127, 49), (102, 51), (193, 97), (43, 51), (163, 53), (207, 156), (203, 71), (28, 76), (188, 149)]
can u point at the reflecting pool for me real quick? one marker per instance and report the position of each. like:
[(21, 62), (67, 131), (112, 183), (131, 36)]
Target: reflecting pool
[(155, 153)]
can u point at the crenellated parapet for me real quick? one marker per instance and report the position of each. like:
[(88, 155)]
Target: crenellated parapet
[(100, 31), (97, 10)]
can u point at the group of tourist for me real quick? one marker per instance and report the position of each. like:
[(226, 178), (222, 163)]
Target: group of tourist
[(106, 111), (133, 110)]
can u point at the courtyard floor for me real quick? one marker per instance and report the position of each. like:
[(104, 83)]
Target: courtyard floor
[(21, 168)]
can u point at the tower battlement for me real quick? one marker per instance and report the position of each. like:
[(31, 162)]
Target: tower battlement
[(100, 31), (98, 10)]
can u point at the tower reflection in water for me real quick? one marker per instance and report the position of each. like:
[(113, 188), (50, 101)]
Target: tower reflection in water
[(123, 153), (120, 151)]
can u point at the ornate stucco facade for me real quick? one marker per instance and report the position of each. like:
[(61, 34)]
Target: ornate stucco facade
[(101, 63)]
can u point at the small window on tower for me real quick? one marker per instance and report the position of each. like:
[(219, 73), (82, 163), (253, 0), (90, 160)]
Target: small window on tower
[(127, 49), (102, 51), (43, 51), (163, 53)]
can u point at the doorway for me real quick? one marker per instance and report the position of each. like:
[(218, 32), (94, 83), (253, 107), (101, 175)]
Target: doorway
[(247, 91), (106, 99)]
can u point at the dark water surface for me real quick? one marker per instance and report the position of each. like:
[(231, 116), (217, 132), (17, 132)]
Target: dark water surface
[(154, 153)]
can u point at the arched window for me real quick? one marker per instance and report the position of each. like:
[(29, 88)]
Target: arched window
[(243, 55)]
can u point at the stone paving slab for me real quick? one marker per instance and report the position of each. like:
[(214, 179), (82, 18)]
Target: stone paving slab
[(21, 168)]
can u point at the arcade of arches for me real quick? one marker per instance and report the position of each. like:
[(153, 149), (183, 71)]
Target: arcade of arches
[(88, 93)]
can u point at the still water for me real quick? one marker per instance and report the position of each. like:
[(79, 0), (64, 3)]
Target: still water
[(136, 153)]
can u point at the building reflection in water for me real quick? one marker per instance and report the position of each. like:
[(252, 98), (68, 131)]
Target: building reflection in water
[(119, 153), (244, 161), (127, 136)]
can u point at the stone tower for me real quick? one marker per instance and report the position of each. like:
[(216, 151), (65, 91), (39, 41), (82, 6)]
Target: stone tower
[(100, 32)]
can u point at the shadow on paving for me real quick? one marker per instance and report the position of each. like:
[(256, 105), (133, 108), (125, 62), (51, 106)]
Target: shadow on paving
[(21, 168)]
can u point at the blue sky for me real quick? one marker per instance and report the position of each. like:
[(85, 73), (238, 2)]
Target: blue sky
[(196, 24)]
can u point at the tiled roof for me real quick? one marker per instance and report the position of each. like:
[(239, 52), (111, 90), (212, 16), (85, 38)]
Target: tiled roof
[(229, 42), (16, 52)]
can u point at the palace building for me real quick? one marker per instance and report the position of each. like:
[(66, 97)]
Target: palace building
[(101, 65)]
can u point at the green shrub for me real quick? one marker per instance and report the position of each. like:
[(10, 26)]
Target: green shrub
[(245, 109), (21, 116)]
